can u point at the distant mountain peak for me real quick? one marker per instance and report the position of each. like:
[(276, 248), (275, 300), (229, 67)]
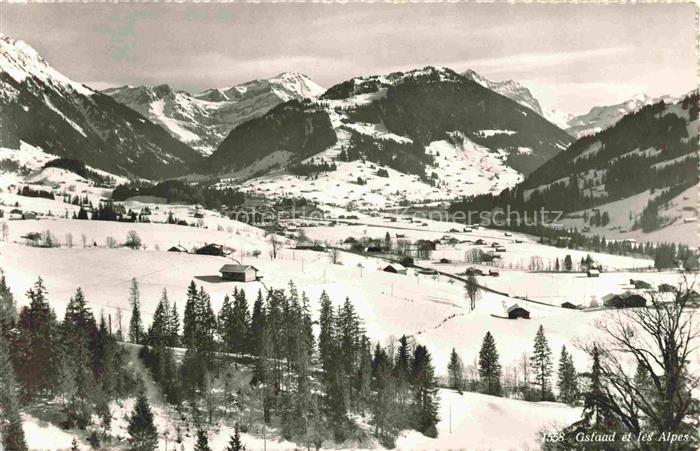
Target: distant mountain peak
[(508, 88)]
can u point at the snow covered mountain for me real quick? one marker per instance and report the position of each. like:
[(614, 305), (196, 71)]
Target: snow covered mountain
[(519, 93), (203, 120), (44, 108), (427, 134), (602, 117), (509, 88)]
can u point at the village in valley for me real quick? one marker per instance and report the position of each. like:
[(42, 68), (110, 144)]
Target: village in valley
[(309, 276)]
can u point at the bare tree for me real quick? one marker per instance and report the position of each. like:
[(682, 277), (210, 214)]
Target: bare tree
[(83, 237), (5, 230), (133, 240), (471, 288), (111, 242), (274, 244), (69, 240), (335, 255), (646, 384)]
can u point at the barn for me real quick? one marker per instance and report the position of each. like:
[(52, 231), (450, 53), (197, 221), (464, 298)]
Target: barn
[(593, 273), (239, 273), (211, 249), (515, 312), (178, 248), (570, 305), (395, 268)]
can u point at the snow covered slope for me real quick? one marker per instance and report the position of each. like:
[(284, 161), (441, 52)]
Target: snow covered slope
[(78, 122), (376, 141), (602, 117), (203, 120)]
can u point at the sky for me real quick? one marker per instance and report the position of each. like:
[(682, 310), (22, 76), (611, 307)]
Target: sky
[(571, 56)]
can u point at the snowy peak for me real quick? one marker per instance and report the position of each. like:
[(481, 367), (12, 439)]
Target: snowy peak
[(77, 122), (601, 117), (508, 88), (22, 63), (203, 120)]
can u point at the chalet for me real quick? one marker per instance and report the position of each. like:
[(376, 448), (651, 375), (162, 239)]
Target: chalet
[(570, 305), (626, 299), (178, 248), (211, 249), (500, 249), (666, 288), (473, 272), (395, 268), (640, 284), (15, 213), (239, 273), (593, 273), (28, 215), (493, 272), (515, 312), (445, 260), (373, 248)]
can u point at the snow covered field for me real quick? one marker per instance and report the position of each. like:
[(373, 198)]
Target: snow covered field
[(476, 421)]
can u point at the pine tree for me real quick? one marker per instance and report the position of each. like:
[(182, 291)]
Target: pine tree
[(568, 264), (326, 338), (11, 432), (455, 372), (8, 308), (202, 443), (135, 325), (235, 443), (143, 435), (173, 326), (383, 407), (36, 356), (425, 397), (240, 322), (227, 325), (158, 333), (566, 378), (541, 363), (189, 322), (257, 325), (489, 366), (402, 373)]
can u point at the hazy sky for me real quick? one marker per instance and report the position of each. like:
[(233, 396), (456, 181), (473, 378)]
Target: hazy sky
[(571, 56)]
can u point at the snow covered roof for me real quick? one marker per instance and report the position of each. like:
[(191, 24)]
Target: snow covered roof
[(237, 268)]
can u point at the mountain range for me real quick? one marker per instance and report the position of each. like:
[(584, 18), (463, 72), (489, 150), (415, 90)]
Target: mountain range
[(434, 133), (44, 108), (203, 120)]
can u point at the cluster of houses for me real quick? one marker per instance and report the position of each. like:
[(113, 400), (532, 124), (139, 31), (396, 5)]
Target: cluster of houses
[(208, 249), (17, 214)]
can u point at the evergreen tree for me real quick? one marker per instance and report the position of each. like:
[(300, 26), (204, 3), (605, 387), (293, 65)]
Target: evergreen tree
[(235, 443), (425, 397), (240, 323), (11, 432), (189, 322), (173, 326), (8, 308), (226, 325), (541, 363), (489, 366), (455, 372), (568, 264), (383, 407), (202, 443), (135, 325), (35, 357), (159, 332), (402, 373), (327, 335), (567, 378), (257, 325), (143, 435)]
